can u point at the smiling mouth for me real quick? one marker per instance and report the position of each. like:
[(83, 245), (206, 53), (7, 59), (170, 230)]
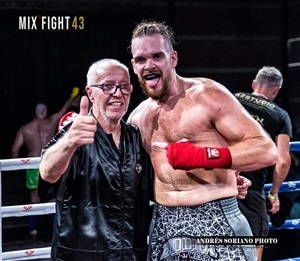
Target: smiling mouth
[(151, 76), (115, 104)]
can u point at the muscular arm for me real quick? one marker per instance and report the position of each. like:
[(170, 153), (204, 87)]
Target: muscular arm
[(18, 143), (250, 146), (282, 166), (225, 123)]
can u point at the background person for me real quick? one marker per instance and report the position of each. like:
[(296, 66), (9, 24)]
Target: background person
[(34, 135), (277, 123)]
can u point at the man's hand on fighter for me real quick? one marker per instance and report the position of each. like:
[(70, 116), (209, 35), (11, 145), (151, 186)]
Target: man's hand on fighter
[(84, 126), (242, 184)]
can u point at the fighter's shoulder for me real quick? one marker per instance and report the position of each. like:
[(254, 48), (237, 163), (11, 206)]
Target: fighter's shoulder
[(138, 111), (207, 86), (28, 126)]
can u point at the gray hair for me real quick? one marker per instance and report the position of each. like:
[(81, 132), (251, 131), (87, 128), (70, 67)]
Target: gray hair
[(98, 67), (269, 75)]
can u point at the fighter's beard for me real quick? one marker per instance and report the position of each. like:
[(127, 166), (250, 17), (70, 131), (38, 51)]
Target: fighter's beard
[(155, 95)]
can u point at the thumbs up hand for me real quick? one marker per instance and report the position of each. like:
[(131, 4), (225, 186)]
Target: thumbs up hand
[(84, 106), (84, 126)]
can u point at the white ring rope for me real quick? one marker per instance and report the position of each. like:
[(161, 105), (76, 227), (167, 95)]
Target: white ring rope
[(20, 163), (28, 210), (23, 210), (43, 252), (48, 208)]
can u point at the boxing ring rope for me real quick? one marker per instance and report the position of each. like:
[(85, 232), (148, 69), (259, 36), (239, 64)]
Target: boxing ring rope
[(23, 210), (48, 208)]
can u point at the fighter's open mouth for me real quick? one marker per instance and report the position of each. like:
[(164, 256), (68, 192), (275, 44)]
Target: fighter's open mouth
[(151, 76)]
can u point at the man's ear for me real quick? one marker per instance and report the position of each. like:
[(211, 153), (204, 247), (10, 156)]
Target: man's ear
[(133, 65), (89, 92), (174, 58), (253, 85)]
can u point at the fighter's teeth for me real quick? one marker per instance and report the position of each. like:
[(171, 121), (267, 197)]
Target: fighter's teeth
[(151, 76)]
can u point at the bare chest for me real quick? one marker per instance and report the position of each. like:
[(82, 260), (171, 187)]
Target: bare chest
[(40, 132), (171, 124)]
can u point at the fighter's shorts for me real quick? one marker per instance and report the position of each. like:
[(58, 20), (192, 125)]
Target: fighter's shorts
[(32, 178), (174, 232)]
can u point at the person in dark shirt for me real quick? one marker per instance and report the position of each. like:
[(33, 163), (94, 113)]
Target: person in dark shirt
[(98, 172), (277, 123)]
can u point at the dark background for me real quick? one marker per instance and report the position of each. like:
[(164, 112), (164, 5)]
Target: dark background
[(227, 41), (223, 40)]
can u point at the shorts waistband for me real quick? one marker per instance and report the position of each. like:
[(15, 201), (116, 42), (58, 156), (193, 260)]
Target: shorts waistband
[(229, 206)]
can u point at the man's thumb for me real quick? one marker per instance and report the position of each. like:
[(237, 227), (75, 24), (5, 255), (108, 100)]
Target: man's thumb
[(84, 106)]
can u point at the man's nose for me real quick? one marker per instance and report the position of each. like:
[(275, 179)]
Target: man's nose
[(149, 65), (118, 92)]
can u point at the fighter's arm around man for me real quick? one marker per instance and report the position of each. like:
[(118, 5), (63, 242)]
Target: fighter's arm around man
[(56, 159)]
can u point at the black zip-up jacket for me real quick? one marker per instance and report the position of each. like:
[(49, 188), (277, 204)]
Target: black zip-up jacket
[(102, 201)]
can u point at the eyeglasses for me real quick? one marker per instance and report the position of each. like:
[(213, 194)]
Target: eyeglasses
[(109, 88)]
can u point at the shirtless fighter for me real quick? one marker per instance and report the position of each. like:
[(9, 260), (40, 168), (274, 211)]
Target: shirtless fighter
[(34, 135), (195, 182)]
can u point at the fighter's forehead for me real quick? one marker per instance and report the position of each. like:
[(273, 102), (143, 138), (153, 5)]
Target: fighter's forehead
[(145, 44)]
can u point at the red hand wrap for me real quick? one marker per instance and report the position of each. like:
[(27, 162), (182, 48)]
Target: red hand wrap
[(186, 156), (64, 118)]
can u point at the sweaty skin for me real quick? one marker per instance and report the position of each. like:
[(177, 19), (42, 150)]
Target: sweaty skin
[(200, 110)]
